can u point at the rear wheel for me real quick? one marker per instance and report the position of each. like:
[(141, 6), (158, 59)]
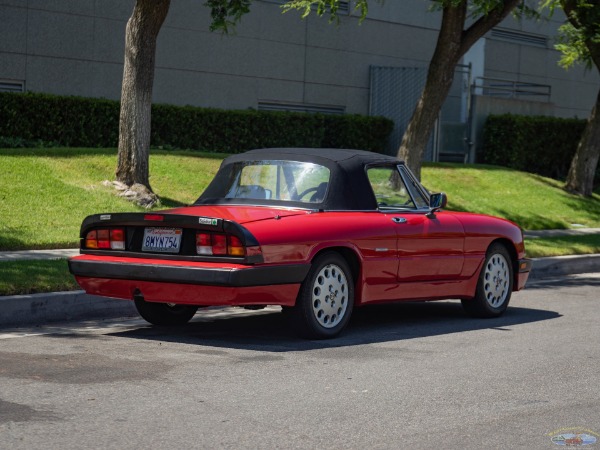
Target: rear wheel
[(494, 286), (326, 298), (165, 313)]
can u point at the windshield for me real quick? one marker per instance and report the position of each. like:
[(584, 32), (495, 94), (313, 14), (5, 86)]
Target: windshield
[(274, 180)]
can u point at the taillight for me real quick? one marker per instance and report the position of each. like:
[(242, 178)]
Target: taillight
[(117, 239), (91, 239), (105, 238), (235, 246), (203, 244), (217, 244)]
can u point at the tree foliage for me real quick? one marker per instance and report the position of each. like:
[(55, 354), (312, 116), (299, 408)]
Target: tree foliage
[(225, 14), (322, 7), (579, 36)]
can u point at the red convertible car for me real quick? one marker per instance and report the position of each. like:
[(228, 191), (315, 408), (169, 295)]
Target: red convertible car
[(316, 231)]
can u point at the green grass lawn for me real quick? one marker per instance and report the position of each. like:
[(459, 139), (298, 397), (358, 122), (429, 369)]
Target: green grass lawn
[(31, 277), (532, 201), (46, 193), (563, 245)]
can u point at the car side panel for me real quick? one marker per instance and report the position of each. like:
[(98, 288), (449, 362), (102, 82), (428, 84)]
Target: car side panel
[(371, 236), (430, 248), (481, 231)]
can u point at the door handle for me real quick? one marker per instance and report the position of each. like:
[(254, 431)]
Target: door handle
[(399, 219)]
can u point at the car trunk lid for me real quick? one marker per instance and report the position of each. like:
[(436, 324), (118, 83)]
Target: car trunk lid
[(240, 214)]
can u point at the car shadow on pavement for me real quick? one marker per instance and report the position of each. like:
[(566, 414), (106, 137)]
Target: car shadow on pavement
[(270, 331)]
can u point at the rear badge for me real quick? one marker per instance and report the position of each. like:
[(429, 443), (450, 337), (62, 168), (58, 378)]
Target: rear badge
[(208, 221), (105, 217)]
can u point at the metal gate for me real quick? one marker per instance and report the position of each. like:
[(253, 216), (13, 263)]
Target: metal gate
[(394, 93)]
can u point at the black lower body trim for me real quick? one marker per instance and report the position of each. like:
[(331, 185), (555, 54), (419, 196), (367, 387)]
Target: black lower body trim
[(252, 276)]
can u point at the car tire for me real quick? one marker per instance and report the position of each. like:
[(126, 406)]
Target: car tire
[(494, 286), (326, 298), (165, 313)]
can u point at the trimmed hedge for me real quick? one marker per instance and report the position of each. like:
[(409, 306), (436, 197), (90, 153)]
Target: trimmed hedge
[(68, 121), (537, 144), (91, 122)]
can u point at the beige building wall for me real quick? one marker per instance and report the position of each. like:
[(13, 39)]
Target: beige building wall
[(75, 47)]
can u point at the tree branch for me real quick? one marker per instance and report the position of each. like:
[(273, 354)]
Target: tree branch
[(485, 23)]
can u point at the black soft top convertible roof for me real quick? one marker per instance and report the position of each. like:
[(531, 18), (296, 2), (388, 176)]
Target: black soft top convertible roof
[(349, 187)]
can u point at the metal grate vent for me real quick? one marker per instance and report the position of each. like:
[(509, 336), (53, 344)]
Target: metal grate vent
[(300, 107), (344, 7), (520, 37), (12, 86)]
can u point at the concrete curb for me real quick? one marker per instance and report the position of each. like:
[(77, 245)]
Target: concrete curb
[(564, 265), (37, 309)]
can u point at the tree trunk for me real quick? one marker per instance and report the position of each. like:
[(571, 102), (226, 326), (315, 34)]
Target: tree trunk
[(451, 45), (136, 95), (439, 81), (580, 179)]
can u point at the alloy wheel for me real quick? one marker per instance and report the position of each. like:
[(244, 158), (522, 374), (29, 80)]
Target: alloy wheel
[(330, 296)]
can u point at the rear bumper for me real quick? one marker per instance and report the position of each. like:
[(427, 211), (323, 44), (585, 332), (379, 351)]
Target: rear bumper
[(189, 283), (191, 294), (201, 274)]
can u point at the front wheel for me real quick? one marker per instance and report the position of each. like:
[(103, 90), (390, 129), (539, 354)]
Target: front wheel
[(165, 313), (494, 286), (326, 298)]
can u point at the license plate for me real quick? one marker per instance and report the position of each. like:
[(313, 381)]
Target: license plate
[(163, 240)]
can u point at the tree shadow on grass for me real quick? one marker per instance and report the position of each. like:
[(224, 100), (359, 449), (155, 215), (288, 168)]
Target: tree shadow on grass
[(534, 221), (270, 332), (171, 203)]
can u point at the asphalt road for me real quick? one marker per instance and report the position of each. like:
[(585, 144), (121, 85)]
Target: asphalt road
[(403, 376)]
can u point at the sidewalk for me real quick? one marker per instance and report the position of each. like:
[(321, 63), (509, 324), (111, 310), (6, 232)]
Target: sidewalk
[(23, 255), (37, 309)]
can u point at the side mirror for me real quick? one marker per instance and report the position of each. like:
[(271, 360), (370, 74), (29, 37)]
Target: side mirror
[(437, 201)]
